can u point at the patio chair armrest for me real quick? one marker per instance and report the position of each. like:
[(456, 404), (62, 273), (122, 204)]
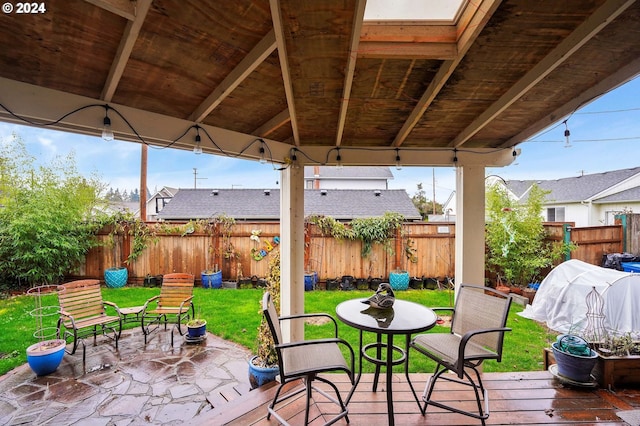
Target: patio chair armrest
[(65, 314), (443, 308), (144, 307), (313, 315), (113, 305), (468, 335), (187, 300)]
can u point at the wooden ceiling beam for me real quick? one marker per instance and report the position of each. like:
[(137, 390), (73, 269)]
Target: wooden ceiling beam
[(273, 124), (124, 8), (254, 58), (475, 27), (578, 38), (276, 17), (131, 32), (410, 33), (409, 50), (350, 69)]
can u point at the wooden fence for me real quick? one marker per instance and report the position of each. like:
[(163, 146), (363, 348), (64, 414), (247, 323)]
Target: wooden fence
[(432, 243)]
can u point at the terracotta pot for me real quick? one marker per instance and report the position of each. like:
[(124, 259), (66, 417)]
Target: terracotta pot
[(515, 290), (503, 289)]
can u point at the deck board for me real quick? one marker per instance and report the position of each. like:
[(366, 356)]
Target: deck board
[(524, 398)]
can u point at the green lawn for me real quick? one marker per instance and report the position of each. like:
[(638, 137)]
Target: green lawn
[(234, 315)]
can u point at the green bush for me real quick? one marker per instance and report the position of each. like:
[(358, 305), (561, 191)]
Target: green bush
[(45, 226), (517, 246)]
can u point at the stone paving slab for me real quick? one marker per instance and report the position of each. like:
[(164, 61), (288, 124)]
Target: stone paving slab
[(156, 384)]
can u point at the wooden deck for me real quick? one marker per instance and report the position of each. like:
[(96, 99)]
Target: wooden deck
[(526, 398)]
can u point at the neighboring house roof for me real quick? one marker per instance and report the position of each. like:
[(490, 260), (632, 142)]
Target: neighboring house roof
[(580, 188), (264, 204), (351, 172), (124, 206), (629, 195), (166, 191)]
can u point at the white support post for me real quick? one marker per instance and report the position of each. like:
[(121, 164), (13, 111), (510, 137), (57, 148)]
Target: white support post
[(470, 224), (292, 250)]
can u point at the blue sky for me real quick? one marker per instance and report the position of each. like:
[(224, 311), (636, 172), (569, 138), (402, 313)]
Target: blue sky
[(604, 136)]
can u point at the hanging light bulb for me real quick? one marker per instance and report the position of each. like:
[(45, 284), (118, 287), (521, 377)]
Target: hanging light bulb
[(567, 133), (398, 164), (294, 158), (197, 149), (107, 132), (338, 159), (263, 160)]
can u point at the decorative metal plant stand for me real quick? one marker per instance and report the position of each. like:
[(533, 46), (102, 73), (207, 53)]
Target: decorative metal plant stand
[(45, 356)]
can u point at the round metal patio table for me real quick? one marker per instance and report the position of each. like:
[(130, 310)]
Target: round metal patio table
[(404, 318)]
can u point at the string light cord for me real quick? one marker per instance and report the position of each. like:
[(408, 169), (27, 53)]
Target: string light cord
[(50, 123), (293, 153)]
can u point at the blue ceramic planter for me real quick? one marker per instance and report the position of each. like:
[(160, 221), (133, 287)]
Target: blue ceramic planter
[(211, 280), (195, 332), (259, 376), (45, 357), (399, 280), (116, 277), (574, 367)]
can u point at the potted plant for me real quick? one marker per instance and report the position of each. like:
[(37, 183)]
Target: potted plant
[(263, 367), (618, 360), (196, 328)]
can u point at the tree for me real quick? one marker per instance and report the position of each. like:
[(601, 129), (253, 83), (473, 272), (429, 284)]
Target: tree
[(424, 205), (516, 238), (45, 219)]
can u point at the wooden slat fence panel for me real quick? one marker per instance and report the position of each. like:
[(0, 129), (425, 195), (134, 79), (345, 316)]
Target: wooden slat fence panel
[(434, 245), (595, 241)]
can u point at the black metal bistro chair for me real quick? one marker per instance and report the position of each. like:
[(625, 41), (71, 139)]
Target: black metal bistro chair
[(477, 332), (306, 360)]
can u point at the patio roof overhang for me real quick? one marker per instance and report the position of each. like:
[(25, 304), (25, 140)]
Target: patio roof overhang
[(314, 76)]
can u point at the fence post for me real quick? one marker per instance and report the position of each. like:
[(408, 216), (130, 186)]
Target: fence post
[(621, 219), (566, 238)]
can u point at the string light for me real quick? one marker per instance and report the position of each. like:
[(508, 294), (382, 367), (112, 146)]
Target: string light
[(197, 149), (567, 133), (263, 159), (107, 132)]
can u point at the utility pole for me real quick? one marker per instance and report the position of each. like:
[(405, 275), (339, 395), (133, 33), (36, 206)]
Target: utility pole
[(433, 185), (143, 182), (195, 178)]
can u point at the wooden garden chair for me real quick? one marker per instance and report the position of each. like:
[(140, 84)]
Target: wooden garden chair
[(83, 313), (173, 305)]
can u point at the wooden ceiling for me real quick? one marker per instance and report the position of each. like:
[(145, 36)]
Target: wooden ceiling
[(312, 75)]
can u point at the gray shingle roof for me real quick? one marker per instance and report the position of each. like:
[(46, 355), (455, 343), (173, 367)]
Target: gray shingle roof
[(630, 195), (574, 189), (254, 204)]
